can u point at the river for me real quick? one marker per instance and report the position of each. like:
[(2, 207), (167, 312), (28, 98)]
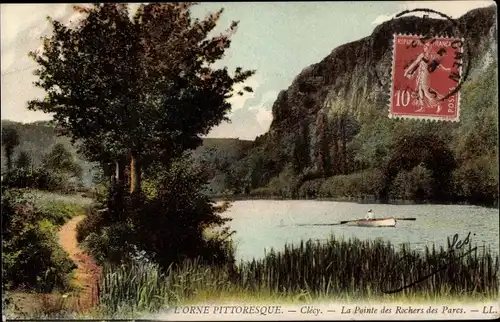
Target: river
[(264, 224)]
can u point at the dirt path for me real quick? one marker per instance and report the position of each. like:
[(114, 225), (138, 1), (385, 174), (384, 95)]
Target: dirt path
[(87, 272)]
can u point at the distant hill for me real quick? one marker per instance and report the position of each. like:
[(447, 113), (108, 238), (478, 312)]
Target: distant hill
[(38, 138), (219, 155)]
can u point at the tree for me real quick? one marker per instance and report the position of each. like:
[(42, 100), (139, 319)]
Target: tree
[(300, 152), (426, 148), (59, 159), (142, 88), (415, 184), (23, 160), (10, 140)]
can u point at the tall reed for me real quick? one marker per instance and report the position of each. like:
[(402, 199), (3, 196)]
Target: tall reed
[(319, 270)]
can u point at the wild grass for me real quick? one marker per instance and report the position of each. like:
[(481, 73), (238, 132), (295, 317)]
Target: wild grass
[(57, 208), (44, 197), (343, 270)]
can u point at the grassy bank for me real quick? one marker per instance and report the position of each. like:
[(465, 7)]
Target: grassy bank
[(36, 270), (337, 270)]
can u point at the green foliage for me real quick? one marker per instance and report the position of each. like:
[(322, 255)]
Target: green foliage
[(93, 221), (38, 138), (32, 257), (362, 185), (59, 172), (10, 140), (38, 178), (146, 287), (257, 168), (169, 225), (60, 160), (477, 179), (218, 156), (458, 161), (286, 183), (476, 141), (23, 160), (310, 188), (416, 184), (372, 145)]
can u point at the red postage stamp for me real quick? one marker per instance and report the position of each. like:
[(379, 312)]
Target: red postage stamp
[(426, 76)]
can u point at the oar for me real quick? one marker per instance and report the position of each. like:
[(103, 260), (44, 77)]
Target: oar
[(406, 218), (334, 224)]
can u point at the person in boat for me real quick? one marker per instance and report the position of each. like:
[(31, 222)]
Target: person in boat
[(369, 215)]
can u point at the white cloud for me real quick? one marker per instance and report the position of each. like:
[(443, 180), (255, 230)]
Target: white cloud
[(256, 119), (238, 101), (267, 99), (16, 18), (263, 112), (453, 9)]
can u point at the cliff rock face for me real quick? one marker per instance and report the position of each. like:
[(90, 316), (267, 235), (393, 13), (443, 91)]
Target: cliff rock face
[(326, 104)]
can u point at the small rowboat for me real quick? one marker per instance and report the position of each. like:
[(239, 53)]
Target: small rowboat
[(378, 222)]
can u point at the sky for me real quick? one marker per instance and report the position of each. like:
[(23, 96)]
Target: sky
[(278, 39)]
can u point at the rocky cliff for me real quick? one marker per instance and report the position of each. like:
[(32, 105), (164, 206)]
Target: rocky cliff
[(355, 78), (321, 122)]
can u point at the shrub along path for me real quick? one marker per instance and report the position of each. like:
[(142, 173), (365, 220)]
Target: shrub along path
[(86, 275)]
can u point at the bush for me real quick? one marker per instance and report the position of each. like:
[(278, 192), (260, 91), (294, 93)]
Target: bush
[(285, 184), (33, 178), (111, 244), (415, 184), (32, 258), (169, 225), (93, 222), (311, 188), (476, 180), (366, 184)]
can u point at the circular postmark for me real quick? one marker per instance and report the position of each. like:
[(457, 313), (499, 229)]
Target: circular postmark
[(428, 68), (457, 43)]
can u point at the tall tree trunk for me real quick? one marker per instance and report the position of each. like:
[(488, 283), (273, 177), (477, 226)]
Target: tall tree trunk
[(343, 145), (335, 147), (135, 173)]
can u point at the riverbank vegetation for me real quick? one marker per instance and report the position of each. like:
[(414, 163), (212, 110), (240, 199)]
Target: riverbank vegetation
[(33, 261), (335, 270)]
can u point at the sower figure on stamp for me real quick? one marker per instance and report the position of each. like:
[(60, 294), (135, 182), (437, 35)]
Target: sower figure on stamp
[(426, 63), (369, 215)]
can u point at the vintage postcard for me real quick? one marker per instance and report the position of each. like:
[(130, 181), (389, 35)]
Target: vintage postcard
[(250, 161)]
